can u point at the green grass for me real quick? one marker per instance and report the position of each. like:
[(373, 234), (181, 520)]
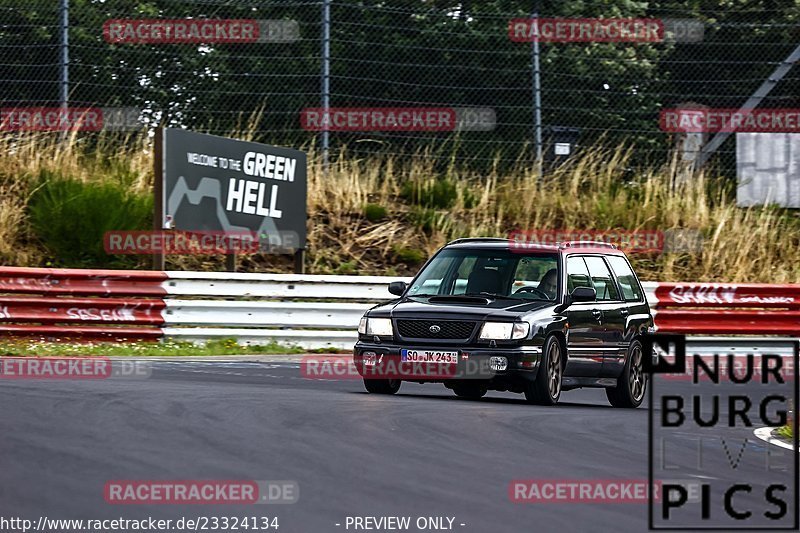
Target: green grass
[(71, 217), (374, 212), (143, 349)]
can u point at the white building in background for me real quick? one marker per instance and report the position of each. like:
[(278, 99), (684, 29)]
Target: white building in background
[(768, 169)]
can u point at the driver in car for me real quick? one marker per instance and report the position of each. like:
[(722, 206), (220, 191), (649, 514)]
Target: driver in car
[(549, 283)]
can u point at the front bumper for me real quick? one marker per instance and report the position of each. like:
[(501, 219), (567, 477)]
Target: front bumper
[(383, 361)]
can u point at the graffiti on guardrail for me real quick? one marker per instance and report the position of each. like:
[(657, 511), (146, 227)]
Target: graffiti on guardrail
[(722, 294)]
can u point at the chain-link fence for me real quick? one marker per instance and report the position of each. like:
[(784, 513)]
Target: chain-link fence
[(460, 55)]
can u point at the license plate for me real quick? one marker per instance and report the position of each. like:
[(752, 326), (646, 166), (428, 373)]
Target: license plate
[(429, 356)]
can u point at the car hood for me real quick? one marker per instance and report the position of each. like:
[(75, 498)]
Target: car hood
[(472, 308)]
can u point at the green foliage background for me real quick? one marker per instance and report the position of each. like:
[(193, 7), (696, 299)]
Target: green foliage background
[(406, 53)]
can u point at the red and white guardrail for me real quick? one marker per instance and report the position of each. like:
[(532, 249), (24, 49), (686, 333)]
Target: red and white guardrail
[(718, 309), (309, 311), (67, 303)]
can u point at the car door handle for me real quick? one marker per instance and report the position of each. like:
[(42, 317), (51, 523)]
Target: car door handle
[(623, 312), (596, 313)]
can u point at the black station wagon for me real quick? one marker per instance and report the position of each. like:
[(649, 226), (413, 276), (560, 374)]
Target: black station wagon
[(492, 314)]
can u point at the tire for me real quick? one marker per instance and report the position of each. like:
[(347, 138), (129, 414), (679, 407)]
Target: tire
[(469, 391), (382, 386), (632, 384), (546, 388)]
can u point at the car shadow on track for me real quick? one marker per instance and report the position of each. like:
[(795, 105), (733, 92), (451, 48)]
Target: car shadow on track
[(490, 400)]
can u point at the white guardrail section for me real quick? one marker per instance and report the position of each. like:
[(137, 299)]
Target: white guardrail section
[(303, 310)]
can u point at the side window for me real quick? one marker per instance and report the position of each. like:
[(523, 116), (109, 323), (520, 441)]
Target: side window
[(626, 278), (577, 274), (602, 280)]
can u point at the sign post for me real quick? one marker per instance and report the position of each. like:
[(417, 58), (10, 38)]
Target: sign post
[(158, 191)]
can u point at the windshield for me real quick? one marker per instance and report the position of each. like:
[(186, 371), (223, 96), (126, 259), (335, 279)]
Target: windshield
[(499, 273)]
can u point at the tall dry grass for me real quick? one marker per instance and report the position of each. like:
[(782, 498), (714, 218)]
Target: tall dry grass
[(28, 157), (599, 190)]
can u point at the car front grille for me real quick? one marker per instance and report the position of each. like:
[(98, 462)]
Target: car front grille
[(448, 329)]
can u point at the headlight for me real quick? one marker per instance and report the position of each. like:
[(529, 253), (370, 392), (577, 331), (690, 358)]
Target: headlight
[(375, 326), (504, 330)]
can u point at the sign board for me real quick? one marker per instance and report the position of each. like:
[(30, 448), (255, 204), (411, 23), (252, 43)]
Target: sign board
[(211, 183), (711, 408), (768, 169)]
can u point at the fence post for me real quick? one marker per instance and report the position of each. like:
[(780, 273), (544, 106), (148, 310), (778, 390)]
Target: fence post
[(326, 79), (537, 92), (64, 70)]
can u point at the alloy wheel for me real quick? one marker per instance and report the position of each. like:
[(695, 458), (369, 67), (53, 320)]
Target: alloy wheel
[(554, 370), (636, 376)]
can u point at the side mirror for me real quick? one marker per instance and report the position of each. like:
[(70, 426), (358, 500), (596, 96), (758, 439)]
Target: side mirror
[(583, 294), (398, 287)]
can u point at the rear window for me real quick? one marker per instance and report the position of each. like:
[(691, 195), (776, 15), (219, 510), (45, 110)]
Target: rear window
[(626, 278)]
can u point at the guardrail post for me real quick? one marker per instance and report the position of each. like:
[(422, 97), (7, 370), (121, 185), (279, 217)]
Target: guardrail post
[(230, 262)]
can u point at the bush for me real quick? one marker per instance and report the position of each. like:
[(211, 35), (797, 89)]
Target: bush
[(346, 268), (70, 217), (434, 194), (427, 220), (374, 212), (409, 255), (469, 198)]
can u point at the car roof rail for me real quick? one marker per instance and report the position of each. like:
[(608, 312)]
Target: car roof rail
[(587, 244), (477, 239)]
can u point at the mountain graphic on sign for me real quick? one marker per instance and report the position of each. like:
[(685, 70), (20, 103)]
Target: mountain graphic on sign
[(211, 188)]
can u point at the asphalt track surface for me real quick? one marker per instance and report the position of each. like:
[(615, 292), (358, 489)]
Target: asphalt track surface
[(423, 452)]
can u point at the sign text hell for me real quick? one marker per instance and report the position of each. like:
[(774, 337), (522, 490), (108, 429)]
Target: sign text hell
[(250, 197)]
